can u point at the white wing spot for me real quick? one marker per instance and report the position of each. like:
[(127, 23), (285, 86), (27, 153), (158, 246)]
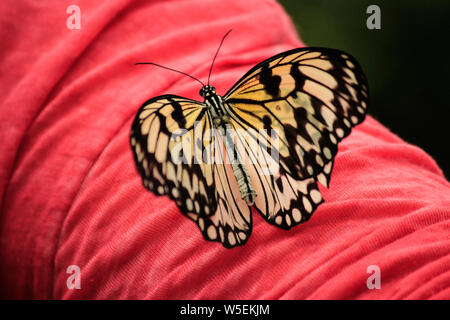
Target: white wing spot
[(333, 138), (322, 179), (296, 215), (307, 205), (201, 223), (316, 196), (278, 220), (212, 232), (231, 238), (347, 123), (140, 154), (327, 152), (189, 205), (350, 64), (197, 206), (288, 220), (361, 110), (319, 160)]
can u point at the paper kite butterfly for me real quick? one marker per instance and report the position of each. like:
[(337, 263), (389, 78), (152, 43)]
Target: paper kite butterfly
[(212, 157)]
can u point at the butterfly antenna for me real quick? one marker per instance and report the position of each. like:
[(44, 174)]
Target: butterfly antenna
[(158, 65), (218, 49)]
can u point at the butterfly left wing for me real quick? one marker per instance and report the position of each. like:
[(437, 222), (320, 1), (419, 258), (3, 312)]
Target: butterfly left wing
[(311, 98), (179, 155)]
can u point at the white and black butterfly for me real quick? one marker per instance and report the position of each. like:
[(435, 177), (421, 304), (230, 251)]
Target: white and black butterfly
[(311, 97)]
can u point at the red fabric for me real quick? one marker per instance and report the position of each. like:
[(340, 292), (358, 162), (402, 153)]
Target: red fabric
[(71, 195)]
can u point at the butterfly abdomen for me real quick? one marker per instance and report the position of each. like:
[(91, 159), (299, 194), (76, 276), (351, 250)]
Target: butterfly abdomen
[(240, 171)]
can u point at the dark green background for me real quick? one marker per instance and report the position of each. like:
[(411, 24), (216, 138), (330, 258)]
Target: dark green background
[(407, 62)]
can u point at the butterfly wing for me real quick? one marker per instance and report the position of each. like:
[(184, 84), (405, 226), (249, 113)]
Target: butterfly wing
[(232, 222), (281, 199), (174, 148), (311, 98)]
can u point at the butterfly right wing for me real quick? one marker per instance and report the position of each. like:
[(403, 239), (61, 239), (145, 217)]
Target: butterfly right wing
[(311, 98), (178, 154)]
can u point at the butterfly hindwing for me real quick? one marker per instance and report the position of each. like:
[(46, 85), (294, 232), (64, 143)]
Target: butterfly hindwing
[(282, 200)]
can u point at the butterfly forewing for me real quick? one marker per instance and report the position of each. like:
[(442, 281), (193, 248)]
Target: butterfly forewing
[(311, 96), (162, 126)]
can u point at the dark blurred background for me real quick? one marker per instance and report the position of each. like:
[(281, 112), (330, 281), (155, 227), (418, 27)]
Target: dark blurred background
[(407, 61)]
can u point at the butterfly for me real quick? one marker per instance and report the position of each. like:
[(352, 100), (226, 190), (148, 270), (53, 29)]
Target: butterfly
[(266, 143)]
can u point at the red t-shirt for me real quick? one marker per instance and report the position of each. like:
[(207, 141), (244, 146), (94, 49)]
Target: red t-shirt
[(71, 194)]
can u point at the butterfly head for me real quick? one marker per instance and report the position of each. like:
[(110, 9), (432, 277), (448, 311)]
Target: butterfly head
[(207, 91)]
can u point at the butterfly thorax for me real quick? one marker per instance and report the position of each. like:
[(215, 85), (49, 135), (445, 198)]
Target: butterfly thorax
[(214, 102)]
